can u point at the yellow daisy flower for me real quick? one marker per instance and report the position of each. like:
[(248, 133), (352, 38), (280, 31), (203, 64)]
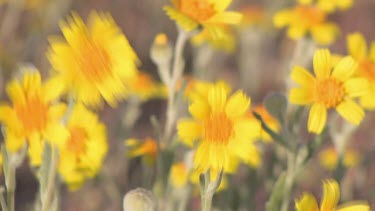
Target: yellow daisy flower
[(83, 153), (145, 87), (307, 19), (268, 119), (223, 131), (33, 115), (147, 148), (329, 89), (329, 158), (366, 59), (331, 196), (209, 14), (95, 60)]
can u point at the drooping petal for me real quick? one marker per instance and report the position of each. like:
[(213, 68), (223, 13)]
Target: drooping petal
[(237, 105), (189, 131), (301, 96), (357, 46), (317, 118), (356, 87), (345, 68), (307, 203), (302, 76), (322, 63), (351, 111), (331, 195)]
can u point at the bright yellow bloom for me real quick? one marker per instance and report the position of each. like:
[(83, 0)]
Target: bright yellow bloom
[(329, 158), (225, 42), (331, 196), (224, 133), (366, 59), (307, 19), (329, 89), (83, 153), (268, 119), (95, 60), (209, 14), (145, 87), (148, 149), (33, 115)]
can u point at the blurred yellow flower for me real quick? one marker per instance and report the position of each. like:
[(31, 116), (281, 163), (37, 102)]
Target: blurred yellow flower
[(147, 148), (268, 119), (198, 89), (179, 174), (33, 115), (209, 14), (331, 196), (329, 89), (307, 19), (332, 5), (95, 60), (366, 59), (329, 158), (224, 134), (83, 153), (225, 42), (145, 87)]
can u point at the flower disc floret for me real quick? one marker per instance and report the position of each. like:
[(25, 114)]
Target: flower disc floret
[(329, 92)]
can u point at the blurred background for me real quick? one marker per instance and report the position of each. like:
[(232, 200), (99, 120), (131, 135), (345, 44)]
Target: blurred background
[(257, 64)]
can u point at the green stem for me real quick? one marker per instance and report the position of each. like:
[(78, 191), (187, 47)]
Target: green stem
[(2, 199), (48, 194), (289, 180)]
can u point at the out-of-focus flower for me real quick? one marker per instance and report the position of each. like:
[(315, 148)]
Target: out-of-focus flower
[(366, 59), (331, 196), (224, 134), (252, 15), (198, 89), (147, 149), (225, 42), (307, 19), (83, 153), (329, 89), (95, 60), (329, 158), (332, 5), (208, 14), (33, 115), (145, 87), (268, 119)]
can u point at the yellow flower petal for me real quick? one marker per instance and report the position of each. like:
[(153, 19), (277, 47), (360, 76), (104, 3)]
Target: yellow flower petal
[(15, 92), (282, 18), (325, 34), (331, 195), (350, 111), (247, 128), (301, 96), (354, 206), (307, 203), (317, 118), (52, 89), (372, 52), (302, 76), (368, 100), (356, 87), (296, 32), (189, 131), (217, 98), (357, 46), (237, 105), (344, 4), (306, 2), (183, 20), (345, 68), (221, 5), (225, 18), (322, 63), (199, 109), (57, 134)]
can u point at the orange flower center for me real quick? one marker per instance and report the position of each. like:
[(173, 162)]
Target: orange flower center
[(367, 69), (93, 60), (218, 129), (309, 16), (199, 10), (77, 141), (329, 91), (33, 114)]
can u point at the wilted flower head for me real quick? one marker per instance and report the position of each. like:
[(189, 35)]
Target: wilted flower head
[(329, 89), (93, 61)]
